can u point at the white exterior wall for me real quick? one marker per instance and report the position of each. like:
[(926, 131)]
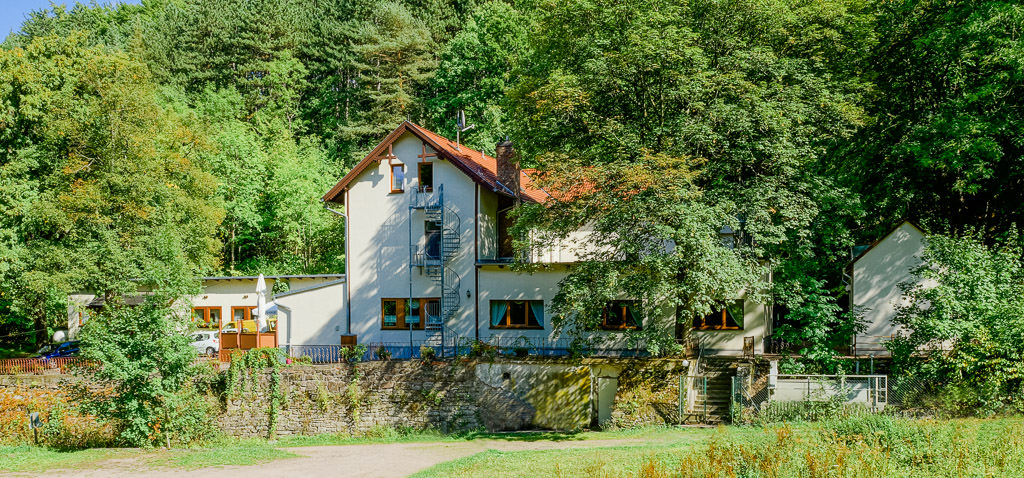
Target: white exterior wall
[(730, 342), (567, 250), (77, 305), (502, 284), (498, 283), (876, 279), (221, 292), (312, 317), (379, 240)]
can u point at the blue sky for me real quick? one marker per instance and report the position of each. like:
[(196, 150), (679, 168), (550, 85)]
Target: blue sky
[(13, 12)]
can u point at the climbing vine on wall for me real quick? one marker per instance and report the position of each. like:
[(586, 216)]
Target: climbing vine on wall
[(244, 367), (354, 395)]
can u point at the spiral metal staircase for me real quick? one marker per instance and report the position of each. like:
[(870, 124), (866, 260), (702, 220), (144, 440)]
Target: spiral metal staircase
[(436, 255)]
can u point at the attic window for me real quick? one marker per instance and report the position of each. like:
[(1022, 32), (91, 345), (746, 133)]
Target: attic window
[(426, 177), (397, 178)]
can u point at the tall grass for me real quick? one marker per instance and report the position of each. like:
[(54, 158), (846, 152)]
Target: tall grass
[(865, 446)]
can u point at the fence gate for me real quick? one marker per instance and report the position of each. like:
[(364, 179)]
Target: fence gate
[(693, 399)]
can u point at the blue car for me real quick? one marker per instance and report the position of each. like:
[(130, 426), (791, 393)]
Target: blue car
[(66, 349)]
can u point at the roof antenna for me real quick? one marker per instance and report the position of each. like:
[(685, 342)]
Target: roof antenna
[(460, 127)]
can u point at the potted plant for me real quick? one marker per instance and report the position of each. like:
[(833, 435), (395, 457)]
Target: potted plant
[(427, 354), (383, 354)]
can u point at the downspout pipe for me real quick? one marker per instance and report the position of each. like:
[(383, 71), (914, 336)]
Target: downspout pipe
[(348, 278)]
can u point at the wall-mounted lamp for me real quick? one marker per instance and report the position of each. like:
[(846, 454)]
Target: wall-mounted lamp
[(206, 297), (467, 293), (246, 296)]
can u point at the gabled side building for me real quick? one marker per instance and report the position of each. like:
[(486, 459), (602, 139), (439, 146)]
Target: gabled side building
[(877, 272)]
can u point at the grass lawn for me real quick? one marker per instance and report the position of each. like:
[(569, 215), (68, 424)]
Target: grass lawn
[(870, 446), (864, 446), (26, 458), (233, 451), (661, 444)]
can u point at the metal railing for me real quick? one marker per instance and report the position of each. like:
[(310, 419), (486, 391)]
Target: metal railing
[(38, 366), (808, 397), (464, 346), (693, 397), (423, 199), (870, 344)]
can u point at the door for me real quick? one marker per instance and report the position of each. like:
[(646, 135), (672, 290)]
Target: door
[(606, 388)]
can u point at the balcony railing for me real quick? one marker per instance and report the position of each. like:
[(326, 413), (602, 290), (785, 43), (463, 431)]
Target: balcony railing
[(426, 198)]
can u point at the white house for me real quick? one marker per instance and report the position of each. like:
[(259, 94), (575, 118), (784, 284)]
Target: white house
[(877, 273), (231, 299), (429, 250)]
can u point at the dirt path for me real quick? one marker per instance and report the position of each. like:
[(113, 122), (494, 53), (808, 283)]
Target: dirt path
[(356, 461)]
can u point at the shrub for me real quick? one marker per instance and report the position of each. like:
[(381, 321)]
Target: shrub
[(353, 354), (65, 426), (479, 348), (427, 353), (147, 383), (862, 446), (383, 354), (965, 322)]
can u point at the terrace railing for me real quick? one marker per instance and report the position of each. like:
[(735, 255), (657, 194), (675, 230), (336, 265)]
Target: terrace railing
[(463, 346)]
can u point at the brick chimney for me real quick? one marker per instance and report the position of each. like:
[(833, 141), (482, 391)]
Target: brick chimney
[(508, 166)]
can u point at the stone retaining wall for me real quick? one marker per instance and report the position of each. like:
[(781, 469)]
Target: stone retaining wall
[(456, 396), (506, 394), (356, 398)]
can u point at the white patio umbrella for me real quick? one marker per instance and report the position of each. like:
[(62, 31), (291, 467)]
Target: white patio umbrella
[(261, 304)]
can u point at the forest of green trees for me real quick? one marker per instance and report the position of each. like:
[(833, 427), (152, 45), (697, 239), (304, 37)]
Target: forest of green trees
[(184, 137)]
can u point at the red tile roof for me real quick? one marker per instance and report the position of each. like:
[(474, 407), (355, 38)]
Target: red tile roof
[(478, 166)]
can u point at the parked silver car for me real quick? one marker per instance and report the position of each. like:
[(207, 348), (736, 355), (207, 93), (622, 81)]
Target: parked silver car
[(206, 342)]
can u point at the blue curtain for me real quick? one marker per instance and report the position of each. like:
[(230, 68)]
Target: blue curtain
[(498, 309), (537, 307)]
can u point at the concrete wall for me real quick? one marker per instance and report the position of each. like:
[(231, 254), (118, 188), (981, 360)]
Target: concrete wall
[(557, 396), (876, 279)]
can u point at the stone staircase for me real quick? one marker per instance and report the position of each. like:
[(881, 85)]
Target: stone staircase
[(712, 407)]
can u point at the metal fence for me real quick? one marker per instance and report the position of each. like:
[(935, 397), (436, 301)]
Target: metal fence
[(908, 392), (37, 366), (810, 397), (693, 403), (463, 346)]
